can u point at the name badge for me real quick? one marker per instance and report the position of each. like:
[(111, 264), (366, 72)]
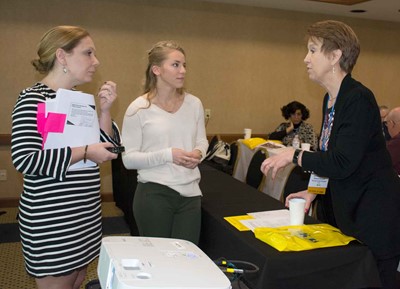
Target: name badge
[(317, 184)]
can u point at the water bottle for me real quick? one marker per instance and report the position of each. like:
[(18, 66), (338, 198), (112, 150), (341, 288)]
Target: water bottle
[(296, 142)]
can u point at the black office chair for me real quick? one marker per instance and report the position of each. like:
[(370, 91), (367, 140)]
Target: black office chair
[(213, 142), (231, 165), (298, 181), (124, 185), (255, 177), (295, 182)]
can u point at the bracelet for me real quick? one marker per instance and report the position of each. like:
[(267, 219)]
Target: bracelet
[(85, 154), (296, 156)]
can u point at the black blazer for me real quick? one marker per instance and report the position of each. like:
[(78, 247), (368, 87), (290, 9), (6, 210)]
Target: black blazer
[(364, 188)]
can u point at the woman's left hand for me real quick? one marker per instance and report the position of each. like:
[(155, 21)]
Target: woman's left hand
[(275, 163), (107, 95), (309, 197), (186, 159), (191, 159)]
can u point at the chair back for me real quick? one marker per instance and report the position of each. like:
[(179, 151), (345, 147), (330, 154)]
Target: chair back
[(213, 142), (296, 181), (255, 177), (233, 160), (124, 184)]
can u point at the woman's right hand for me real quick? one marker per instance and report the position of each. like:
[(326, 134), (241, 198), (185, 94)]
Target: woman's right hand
[(97, 153), (290, 128), (309, 197)]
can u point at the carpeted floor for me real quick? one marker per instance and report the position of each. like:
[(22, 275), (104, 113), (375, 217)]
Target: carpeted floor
[(12, 272)]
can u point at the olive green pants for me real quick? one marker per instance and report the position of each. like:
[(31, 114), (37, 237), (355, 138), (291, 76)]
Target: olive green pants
[(160, 211)]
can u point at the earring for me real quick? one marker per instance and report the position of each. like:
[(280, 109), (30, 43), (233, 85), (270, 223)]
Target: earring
[(333, 69), (64, 69)]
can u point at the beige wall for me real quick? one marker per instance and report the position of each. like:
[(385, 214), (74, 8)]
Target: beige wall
[(244, 63)]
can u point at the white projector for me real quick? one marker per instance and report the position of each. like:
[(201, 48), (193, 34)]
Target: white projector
[(156, 263)]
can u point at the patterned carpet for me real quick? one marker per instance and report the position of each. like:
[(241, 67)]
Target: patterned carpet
[(12, 272)]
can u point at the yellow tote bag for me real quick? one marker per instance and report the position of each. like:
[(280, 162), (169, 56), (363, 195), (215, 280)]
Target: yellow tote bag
[(251, 143), (300, 238)]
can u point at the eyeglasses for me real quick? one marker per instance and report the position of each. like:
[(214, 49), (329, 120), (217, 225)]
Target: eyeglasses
[(392, 121)]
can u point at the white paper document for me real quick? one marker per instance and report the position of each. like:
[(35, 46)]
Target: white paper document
[(270, 219), (81, 124)]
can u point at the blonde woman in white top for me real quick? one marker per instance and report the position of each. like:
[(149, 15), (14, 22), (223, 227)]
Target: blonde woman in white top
[(165, 139)]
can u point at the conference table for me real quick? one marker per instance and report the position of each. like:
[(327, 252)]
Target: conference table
[(343, 267), (272, 187)]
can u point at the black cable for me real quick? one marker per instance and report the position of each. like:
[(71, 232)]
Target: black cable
[(254, 267), (233, 264), (231, 267)]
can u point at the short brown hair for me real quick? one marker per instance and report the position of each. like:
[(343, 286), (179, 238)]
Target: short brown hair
[(337, 35)]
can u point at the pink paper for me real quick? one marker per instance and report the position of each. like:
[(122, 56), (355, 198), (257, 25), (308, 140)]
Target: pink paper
[(54, 122)]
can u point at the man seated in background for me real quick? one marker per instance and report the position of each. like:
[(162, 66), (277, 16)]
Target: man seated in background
[(384, 110), (392, 121)]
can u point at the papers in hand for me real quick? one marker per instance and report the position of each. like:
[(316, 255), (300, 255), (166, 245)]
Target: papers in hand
[(78, 127), (270, 219)]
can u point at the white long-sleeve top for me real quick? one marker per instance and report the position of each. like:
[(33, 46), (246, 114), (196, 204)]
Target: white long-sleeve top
[(149, 134)]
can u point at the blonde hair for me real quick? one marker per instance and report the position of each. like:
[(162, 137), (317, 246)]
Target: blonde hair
[(156, 56), (64, 37)]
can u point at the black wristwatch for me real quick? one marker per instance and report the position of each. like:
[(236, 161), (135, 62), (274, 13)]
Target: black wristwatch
[(296, 156)]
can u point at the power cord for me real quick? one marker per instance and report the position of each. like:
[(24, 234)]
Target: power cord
[(231, 267)]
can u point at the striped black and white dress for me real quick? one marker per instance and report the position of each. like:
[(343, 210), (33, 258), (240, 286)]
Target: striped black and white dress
[(60, 210)]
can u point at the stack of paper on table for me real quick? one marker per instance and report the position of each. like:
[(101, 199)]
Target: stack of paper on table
[(270, 219)]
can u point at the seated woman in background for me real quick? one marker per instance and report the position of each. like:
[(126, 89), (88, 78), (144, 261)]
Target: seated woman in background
[(296, 113)]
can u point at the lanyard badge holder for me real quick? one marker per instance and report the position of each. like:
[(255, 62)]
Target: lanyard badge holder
[(318, 184)]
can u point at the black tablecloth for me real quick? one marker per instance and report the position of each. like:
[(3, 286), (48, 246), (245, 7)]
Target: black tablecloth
[(343, 267)]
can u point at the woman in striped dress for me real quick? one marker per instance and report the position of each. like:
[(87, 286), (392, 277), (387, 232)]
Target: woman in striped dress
[(60, 209)]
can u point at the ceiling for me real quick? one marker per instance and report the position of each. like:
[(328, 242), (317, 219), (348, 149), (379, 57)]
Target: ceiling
[(386, 10)]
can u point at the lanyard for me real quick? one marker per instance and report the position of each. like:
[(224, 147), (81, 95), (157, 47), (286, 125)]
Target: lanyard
[(327, 128), (317, 184)]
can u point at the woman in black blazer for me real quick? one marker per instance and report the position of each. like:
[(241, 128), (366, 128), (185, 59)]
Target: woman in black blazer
[(362, 197)]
